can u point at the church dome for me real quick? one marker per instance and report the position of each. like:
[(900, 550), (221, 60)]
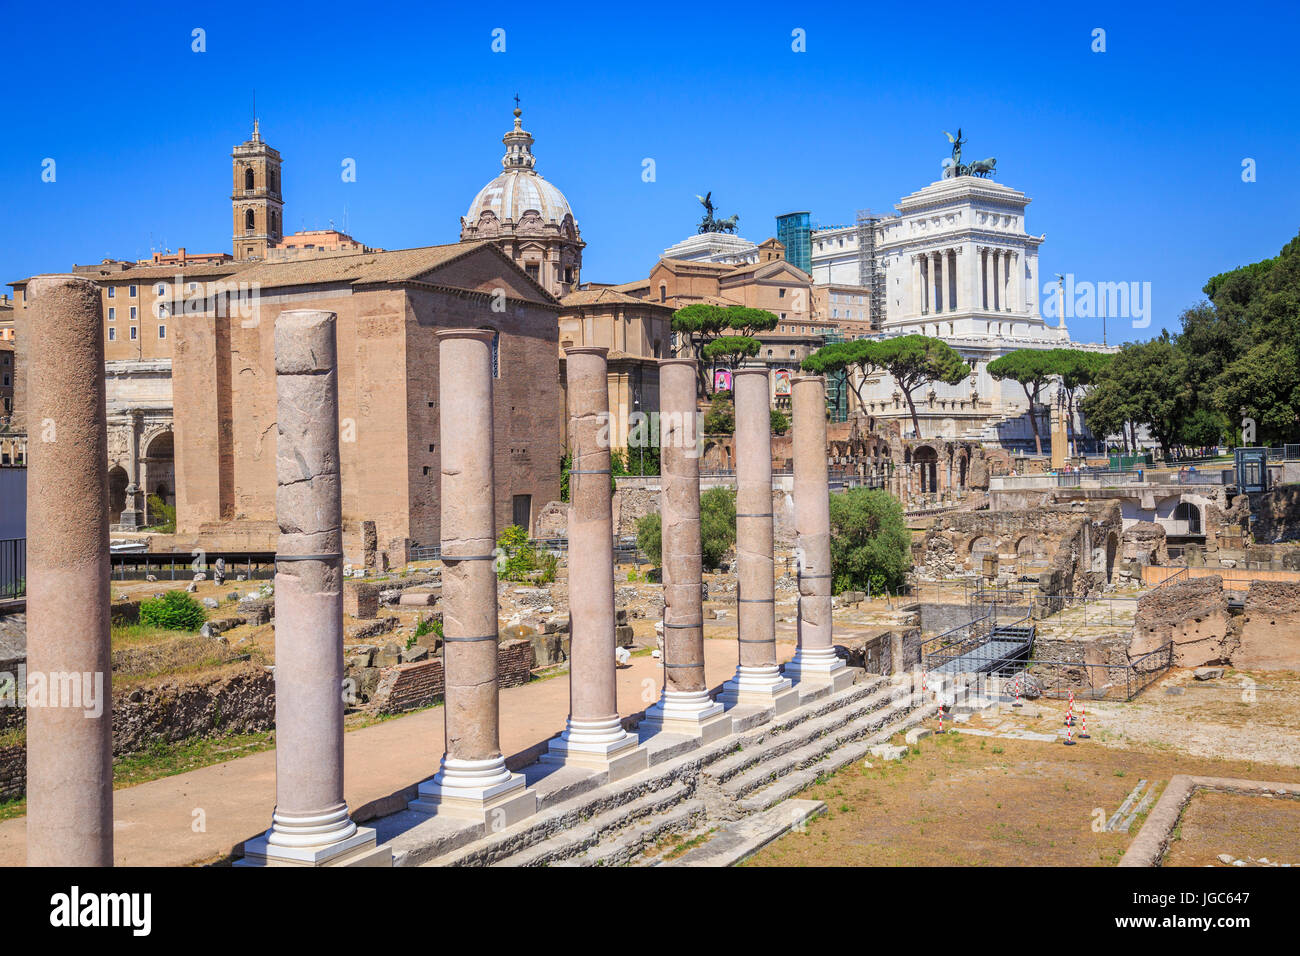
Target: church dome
[(519, 189)]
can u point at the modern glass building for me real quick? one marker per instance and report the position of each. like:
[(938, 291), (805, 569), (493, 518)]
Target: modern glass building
[(794, 231)]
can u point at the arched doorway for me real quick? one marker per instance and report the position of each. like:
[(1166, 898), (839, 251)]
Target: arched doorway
[(117, 482), (1189, 516), (159, 468)]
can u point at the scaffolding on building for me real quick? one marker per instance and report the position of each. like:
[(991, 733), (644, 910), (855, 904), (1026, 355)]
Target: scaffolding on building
[(871, 274)]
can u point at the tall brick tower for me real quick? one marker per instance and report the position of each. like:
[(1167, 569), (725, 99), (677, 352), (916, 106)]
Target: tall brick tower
[(257, 204)]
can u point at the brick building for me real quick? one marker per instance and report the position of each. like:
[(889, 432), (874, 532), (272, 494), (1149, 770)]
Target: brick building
[(389, 305)]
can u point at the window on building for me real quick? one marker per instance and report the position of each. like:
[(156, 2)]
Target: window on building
[(248, 177), (134, 335), (780, 293), (112, 335), (533, 270), (249, 222), (133, 313), (162, 331), (568, 274), (160, 290), (112, 313), (112, 292), (131, 291)]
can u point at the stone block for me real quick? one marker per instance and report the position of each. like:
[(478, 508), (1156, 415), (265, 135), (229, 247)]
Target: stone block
[(917, 734)]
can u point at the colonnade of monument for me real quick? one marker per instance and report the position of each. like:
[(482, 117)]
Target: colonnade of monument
[(944, 280), (70, 753)]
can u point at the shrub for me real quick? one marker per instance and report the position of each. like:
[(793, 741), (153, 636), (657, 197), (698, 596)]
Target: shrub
[(717, 525), (720, 419), (870, 544), (780, 422), (518, 560), (174, 611)]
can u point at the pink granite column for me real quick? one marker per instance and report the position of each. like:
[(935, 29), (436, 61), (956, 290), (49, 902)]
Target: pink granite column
[(311, 824), (69, 716), (473, 781), (685, 706), (758, 679), (815, 662), (594, 736)]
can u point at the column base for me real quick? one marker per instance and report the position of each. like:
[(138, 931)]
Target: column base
[(483, 791), (690, 713), (759, 687), (130, 519), (600, 745), (818, 666), (357, 849)]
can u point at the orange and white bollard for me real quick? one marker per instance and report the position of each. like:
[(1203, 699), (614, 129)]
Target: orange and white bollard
[(1069, 712), (1016, 702), (1069, 735), (1083, 716)]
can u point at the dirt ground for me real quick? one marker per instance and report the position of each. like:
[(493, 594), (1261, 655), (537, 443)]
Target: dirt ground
[(972, 800), (1216, 823)]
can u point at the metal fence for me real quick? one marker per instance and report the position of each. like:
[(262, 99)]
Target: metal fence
[(13, 568)]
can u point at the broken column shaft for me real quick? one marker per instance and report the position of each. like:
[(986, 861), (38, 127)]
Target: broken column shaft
[(815, 662), (685, 706), (473, 781), (311, 825), (594, 736), (758, 679), (69, 693)]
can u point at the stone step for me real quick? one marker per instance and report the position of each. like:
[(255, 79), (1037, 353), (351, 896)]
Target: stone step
[(759, 749), (574, 840), (833, 733), (626, 846), (738, 839), (801, 772)]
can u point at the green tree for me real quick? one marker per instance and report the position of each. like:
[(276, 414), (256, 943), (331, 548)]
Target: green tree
[(731, 350), (870, 543), (1264, 385), (1032, 368), (851, 357), (779, 422), (914, 361), (1078, 370), (1146, 382), (700, 324)]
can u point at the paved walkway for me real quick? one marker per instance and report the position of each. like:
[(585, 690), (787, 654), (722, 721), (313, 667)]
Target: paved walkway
[(154, 822)]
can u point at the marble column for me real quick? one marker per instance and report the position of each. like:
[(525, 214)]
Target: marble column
[(1013, 293), (69, 692), (996, 303), (311, 825), (473, 782), (815, 662), (685, 706), (937, 259), (758, 679), (918, 289), (594, 736)]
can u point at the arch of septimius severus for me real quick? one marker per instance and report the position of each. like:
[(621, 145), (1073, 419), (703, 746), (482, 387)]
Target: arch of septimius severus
[(70, 796)]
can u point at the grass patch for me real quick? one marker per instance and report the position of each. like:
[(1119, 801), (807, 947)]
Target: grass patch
[(166, 760)]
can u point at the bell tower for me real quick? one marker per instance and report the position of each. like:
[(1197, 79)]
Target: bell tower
[(258, 207)]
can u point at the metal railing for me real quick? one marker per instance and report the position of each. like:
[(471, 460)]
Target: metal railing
[(1059, 679), (13, 568)]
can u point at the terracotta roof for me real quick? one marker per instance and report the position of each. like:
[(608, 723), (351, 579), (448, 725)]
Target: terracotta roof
[(362, 267), (630, 286), (605, 296), (774, 265), (144, 274), (716, 267)]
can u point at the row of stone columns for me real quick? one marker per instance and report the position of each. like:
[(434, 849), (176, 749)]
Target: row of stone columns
[(1000, 290), (70, 746)]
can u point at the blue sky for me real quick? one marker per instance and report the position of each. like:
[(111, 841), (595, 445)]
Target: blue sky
[(1132, 156)]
